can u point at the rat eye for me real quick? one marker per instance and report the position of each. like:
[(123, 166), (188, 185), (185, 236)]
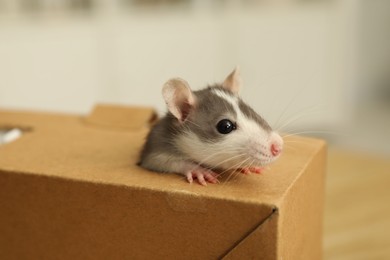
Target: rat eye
[(225, 126)]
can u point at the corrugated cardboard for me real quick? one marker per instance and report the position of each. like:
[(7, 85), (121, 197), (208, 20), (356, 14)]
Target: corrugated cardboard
[(70, 189)]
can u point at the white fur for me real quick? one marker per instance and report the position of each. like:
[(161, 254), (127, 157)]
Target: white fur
[(249, 145), (229, 98)]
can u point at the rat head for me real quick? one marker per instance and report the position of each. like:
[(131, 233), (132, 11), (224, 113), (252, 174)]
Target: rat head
[(217, 129)]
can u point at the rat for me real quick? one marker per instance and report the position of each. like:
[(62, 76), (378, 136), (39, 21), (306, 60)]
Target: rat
[(209, 131)]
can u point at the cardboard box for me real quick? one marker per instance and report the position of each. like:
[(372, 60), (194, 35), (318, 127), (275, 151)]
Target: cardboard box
[(70, 189)]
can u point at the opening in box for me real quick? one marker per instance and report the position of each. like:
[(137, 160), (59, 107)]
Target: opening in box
[(10, 134)]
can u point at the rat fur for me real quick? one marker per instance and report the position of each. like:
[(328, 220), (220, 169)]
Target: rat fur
[(208, 131)]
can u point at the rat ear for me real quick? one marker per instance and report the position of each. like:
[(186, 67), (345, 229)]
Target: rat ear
[(233, 82), (178, 97)]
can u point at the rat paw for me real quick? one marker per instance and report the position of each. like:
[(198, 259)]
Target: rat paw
[(248, 170), (202, 175)]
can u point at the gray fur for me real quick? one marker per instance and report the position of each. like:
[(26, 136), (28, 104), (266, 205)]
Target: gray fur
[(210, 109), (251, 114), (202, 120)]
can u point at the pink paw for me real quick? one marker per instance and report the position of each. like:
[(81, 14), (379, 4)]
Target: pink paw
[(202, 175), (248, 170)]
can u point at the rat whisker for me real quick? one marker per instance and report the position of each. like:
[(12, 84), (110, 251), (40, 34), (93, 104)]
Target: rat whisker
[(298, 117), (294, 142), (237, 166), (314, 132), (193, 123), (215, 166), (297, 94)]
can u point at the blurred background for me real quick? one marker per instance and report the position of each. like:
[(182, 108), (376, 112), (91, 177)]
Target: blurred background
[(310, 67), (319, 67)]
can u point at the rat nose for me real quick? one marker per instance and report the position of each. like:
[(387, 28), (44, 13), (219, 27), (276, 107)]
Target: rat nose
[(276, 149)]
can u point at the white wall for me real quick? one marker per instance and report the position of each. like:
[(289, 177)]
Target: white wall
[(298, 59)]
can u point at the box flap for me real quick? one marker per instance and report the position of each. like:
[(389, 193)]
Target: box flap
[(115, 116)]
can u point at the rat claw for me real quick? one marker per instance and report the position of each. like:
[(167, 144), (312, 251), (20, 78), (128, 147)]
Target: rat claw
[(216, 175), (200, 176), (189, 177), (211, 177), (257, 170), (247, 170)]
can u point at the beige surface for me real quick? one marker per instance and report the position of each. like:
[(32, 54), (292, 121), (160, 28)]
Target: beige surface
[(357, 209)]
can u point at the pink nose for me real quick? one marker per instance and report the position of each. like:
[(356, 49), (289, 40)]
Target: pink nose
[(276, 149)]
